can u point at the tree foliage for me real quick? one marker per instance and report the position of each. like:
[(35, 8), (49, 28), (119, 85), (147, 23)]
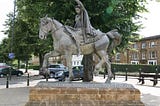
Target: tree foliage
[(104, 15)]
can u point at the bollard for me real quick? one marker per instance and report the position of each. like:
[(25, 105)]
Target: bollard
[(140, 75), (104, 75), (126, 78), (156, 77), (46, 77), (10, 74), (114, 74), (7, 82), (28, 79)]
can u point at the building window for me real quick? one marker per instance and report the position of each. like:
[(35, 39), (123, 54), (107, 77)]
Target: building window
[(135, 56), (118, 57), (74, 63), (134, 62), (152, 44), (152, 54), (152, 62), (77, 62), (143, 55), (144, 45), (135, 46)]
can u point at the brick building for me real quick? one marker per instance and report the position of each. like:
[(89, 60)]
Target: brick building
[(145, 51)]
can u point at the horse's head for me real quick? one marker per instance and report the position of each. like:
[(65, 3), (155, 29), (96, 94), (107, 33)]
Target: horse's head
[(45, 27)]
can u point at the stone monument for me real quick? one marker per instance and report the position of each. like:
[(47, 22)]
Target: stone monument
[(82, 39)]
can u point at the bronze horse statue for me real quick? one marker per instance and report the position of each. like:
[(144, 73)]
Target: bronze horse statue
[(64, 44)]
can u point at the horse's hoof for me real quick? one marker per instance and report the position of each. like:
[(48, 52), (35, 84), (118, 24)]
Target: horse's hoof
[(68, 80), (108, 81), (95, 73)]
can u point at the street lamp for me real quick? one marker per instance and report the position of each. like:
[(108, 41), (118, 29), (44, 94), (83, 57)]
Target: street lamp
[(14, 10), (11, 54)]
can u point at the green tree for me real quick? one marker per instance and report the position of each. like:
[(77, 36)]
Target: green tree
[(104, 15), (30, 12), (4, 50)]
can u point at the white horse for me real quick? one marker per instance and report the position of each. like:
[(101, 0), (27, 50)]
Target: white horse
[(64, 44)]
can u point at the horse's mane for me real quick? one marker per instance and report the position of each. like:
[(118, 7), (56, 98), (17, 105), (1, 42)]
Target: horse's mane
[(58, 24)]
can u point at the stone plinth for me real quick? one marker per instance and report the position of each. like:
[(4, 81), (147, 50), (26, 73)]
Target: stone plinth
[(83, 94)]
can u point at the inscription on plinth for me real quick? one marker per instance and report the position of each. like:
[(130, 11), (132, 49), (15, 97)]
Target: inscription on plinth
[(83, 94)]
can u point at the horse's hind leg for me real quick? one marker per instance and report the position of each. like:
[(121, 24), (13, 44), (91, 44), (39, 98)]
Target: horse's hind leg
[(110, 75), (99, 65), (100, 54), (105, 59), (69, 64)]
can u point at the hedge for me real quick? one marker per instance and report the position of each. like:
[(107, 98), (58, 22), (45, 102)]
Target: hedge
[(34, 67), (134, 68)]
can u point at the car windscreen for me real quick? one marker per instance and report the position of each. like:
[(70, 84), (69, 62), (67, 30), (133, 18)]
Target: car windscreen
[(54, 66)]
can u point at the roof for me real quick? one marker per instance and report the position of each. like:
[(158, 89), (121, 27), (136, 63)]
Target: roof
[(150, 38)]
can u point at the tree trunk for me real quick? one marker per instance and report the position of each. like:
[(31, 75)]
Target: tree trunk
[(18, 64), (26, 70), (41, 57), (88, 64)]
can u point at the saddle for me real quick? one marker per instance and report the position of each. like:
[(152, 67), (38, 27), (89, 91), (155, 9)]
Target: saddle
[(76, 35)]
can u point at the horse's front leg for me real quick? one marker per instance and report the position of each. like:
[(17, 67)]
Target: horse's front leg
[(45, 60)]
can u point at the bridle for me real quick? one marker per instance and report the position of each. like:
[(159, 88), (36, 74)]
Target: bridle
[(54, 27)]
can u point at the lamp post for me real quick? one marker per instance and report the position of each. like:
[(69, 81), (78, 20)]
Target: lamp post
[(127, 56), (11, 54), (14, 10)]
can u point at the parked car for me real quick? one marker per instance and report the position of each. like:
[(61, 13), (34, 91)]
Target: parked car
[(9, 70), (2, 65), (77, 73), (52, 69)]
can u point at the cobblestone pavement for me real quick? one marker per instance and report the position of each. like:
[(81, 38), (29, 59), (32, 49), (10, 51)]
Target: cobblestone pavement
[(17, 93)]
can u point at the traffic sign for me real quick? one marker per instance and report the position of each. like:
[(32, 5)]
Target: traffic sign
[(11, 55)]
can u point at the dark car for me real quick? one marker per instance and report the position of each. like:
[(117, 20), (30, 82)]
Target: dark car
[(9, 70), (52, 69), (77, 73)]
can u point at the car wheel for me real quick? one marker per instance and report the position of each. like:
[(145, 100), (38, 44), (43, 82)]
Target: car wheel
[(19, 74), (51, 75), (1, 75)]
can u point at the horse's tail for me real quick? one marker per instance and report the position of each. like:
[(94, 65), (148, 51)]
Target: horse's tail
[(115, 39)]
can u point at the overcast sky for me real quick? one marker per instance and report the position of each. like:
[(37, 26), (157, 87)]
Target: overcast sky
[(6, 6), (151, 24)]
